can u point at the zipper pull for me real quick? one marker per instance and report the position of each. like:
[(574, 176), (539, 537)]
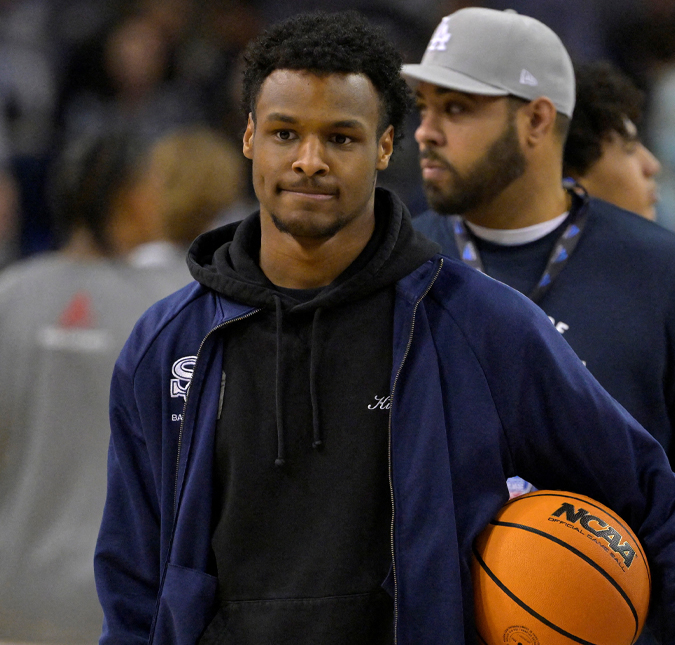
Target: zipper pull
[(222, 394)]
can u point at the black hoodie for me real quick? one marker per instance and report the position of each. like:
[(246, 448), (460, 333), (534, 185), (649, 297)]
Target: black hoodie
[(301, 535)]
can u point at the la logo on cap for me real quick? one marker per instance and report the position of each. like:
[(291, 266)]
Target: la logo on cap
[(441, 36), (527, 79)]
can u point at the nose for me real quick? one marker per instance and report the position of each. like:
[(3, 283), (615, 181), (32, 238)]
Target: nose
[(650, 164), (429, 131), (311, 158)]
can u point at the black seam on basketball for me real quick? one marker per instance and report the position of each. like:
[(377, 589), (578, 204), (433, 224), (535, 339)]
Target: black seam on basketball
[(604, 510), (578, 553), (482, 640), (527, 608)]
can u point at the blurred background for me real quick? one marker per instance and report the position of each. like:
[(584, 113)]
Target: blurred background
[(72, 67)]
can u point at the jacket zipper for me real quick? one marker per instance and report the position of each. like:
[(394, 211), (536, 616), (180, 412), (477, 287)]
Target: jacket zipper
[(187, 396), (391, 480)]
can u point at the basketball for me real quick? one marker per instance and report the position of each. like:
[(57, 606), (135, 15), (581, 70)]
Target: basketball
[(557, 568)]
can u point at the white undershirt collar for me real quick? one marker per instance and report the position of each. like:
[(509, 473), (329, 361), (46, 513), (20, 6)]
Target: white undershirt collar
[(516, 236)]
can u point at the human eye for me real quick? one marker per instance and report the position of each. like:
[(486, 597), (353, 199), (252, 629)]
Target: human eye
[(454, 108), (341, 139), (284, 135)]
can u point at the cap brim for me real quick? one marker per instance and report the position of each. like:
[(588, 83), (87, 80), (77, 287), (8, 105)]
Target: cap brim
[(451, 80)]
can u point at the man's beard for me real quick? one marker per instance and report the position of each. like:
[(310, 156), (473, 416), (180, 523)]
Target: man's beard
[(310, 229), (500, 166)]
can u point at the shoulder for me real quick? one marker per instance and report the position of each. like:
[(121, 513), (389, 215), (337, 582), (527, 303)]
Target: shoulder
[(467, 313), (35, 269), (461, 285), (180, 318), (177, 323), (485, 311), (430, 221), (438, 228), (614, 225), (629, 252)]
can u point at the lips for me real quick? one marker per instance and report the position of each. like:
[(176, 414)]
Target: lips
[(433, 166), (433, 169), (307, 192)]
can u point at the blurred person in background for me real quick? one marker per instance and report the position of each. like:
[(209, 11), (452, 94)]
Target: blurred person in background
[(211, 59), (9, 218), (27, 77), (10, 211), (660, 124), (28, 90), (130, 86), (64, 317), (603, 151), (201, 177), (493, 124)]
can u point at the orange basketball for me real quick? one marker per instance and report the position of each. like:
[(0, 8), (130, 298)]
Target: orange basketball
[(557, 568)]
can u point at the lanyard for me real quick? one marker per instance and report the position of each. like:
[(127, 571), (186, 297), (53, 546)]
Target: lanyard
[(560, 255)]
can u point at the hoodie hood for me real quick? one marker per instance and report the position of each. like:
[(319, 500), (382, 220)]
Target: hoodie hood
[(227, 260)]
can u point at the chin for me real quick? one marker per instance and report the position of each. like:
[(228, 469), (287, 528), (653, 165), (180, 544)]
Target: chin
[(307, 226)]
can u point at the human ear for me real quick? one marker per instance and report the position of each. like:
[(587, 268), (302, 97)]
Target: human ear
[(385, 148), (248, 137), (538, 119)]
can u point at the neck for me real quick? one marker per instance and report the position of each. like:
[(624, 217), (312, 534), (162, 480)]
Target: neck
[(531, 199), (309, 263)]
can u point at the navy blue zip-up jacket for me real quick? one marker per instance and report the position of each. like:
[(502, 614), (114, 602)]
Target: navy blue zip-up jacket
[(483, 387)]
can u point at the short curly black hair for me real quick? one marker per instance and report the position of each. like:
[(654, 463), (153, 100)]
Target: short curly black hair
[(606, 97), (330, 43)]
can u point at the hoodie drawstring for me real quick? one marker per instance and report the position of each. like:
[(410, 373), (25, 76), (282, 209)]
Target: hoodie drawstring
[(317, 439), (281, 453)]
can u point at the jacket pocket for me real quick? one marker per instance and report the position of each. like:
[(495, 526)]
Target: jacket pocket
[(186, 606)]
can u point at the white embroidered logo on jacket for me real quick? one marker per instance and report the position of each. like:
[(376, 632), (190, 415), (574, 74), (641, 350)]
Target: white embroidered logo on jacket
[(182, 370)]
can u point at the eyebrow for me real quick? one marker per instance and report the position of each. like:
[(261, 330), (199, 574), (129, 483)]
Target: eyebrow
[(348, 123), (278, 116), (353, 124)]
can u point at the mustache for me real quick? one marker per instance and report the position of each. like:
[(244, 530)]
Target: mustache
[(309, 184), (432, 155)]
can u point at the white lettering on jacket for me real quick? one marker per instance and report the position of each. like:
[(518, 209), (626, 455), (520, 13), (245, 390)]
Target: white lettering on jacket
[(381, 403), (560, 325)]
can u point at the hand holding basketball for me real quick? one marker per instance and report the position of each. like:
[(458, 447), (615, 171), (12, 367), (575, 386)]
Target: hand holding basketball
[(557, 568)]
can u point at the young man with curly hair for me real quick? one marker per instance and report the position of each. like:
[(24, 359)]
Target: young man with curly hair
[(603, 151), (307, 440)]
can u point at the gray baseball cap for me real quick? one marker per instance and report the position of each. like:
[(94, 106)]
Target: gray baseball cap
[(497, 53)]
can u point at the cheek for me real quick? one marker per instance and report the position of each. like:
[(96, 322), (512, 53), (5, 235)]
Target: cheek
[(259, 171), (361, 175), (633, 180), (258, 181)]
